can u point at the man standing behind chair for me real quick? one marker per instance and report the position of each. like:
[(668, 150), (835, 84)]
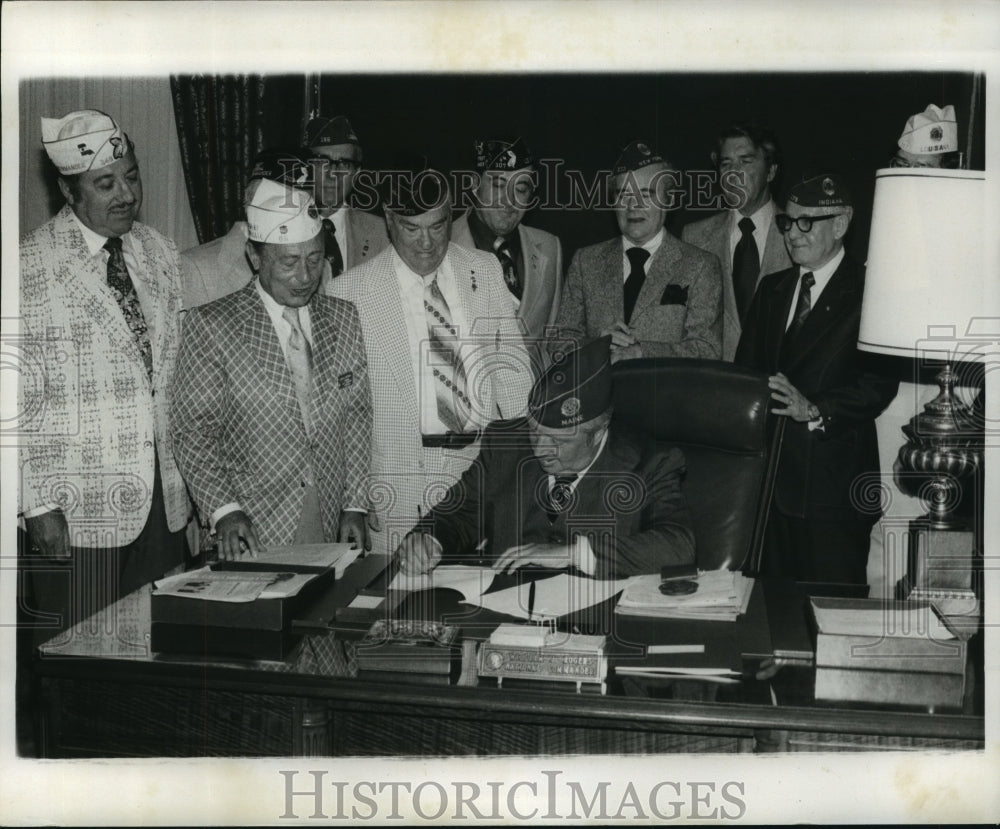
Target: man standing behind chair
[(744, 237), (654, 294), (531, 259), (445, 354), (272, 408), (100, 296), (802, 328), (351, 236), (221, 266)]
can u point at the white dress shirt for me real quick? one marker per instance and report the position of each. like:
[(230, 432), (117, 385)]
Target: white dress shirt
[(822, 276), (653, 245)]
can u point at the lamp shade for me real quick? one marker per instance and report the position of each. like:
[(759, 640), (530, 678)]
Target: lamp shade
[(926, 277)]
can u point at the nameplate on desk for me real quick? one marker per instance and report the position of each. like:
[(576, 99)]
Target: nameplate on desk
[(519, 652)]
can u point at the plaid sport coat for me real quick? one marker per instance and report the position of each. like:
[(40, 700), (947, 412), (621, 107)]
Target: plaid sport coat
[(240, 433), (91, 423), (404, 475)]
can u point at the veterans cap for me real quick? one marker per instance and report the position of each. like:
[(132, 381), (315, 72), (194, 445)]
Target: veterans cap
[(635, 156), (576, 388), (281, 215), (931, 132), (826, 190), (411, 185), (502, 154), (288, 167), (87, 139), (322, 132)]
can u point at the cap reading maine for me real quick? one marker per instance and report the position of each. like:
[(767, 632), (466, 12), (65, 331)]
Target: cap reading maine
[(635, 156), (931, 132), (827, 190), (83, 140), (576, 389), (280, 215), (502, 154), (290, 167), (323, 132)]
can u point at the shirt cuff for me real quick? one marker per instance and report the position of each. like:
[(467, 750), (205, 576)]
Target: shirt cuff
[(221, 512), (583, 555), (362, 510), (34, 512)]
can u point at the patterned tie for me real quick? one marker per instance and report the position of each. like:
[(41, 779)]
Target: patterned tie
[(502, 250), (636, 276), (300, 364), (746, 267), (802, 308), (560, 495), (121, 283), (332, 253), (449, 374)]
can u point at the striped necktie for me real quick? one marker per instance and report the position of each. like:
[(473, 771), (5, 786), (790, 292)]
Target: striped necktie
[(561, 495), (121, 283), (299, 355), (449, 374)]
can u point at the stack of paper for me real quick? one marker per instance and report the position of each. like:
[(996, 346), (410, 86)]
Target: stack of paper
[(720, 596)]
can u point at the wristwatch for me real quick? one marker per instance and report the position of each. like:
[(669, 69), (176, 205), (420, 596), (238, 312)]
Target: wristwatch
[(815, 417)]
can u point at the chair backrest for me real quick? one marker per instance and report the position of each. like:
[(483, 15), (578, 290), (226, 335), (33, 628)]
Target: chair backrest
[(718, 415)]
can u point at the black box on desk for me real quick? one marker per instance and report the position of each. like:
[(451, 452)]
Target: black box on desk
[(887, 652), (259, 629)]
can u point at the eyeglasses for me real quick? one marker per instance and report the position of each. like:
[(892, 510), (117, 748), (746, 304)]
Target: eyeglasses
[(803, 223), (335, 164)]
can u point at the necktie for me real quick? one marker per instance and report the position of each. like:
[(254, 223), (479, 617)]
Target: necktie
[(560, 495), (502, 250), (299, 355), (449, 374), (121, 283), (746, 267), (332, 251), (802, 308), (636, 276)]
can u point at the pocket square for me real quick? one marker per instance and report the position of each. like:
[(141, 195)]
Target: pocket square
[(674, 295)]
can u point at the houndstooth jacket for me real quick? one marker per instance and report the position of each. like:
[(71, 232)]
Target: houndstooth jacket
[(90, 422), (239, 431), (404, 475)]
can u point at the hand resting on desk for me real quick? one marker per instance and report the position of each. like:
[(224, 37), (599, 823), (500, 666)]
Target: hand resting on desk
[(419, 553)]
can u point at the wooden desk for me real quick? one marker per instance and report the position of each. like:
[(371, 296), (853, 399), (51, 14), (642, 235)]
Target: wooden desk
[(117, 699)]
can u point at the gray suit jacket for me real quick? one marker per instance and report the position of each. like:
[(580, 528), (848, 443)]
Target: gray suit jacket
[(712, 235), (542, 275), (220, 267), (678, 312)]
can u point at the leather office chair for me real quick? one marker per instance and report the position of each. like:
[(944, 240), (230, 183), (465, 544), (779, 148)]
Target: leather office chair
[(718, 415)]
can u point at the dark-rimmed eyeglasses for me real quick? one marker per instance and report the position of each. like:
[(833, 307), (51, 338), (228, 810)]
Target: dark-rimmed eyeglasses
[(803, 223)]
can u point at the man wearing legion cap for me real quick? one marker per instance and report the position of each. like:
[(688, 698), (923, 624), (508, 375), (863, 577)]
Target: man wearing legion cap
[(654, 294), (100, 300), (272, 409), (802, 328), (445, 353), (929, 139), (531, 259), (350, 235), (219, 267), (538, 493)]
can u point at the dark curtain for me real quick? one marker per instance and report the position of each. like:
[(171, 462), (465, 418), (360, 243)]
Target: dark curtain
[(220, 129)]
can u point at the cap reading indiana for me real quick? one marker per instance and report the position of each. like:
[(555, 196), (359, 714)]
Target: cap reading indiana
[(931, 132), (280, 215), (575, 389), (502, 154), (635, 156), (826, 190), (290, 167), (324, 132), (83, 140)]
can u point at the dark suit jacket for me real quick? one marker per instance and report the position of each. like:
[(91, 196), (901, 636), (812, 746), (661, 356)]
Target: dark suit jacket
[(678, 312), (818, 472), (629, 504), (712, 235)]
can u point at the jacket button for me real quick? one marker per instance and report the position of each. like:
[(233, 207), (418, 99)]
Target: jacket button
[(148, 444)]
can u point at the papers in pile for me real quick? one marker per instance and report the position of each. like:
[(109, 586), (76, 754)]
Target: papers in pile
[(720, 596)]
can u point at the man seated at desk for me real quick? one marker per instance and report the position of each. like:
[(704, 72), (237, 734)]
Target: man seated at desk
[(563, 488)]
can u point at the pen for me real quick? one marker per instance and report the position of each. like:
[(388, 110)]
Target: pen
[(531, 600)]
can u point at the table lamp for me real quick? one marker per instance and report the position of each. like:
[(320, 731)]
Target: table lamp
[(924, 299)]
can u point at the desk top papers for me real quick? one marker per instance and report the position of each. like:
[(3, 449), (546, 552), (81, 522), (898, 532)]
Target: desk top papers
[(470, 581), (721, 596)]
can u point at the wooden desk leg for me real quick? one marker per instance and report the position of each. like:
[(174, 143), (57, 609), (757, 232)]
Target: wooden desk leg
[(312, 737)]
